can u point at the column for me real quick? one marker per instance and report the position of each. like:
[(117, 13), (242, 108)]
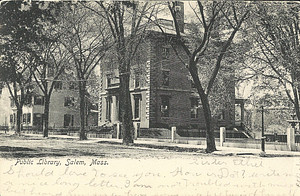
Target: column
[(114, 109)]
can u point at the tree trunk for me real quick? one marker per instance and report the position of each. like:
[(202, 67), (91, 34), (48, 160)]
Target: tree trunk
[(82, 89), (19, 115), (296, 93), (210, 138), (46, 116), (125, 98), (295, 88), (126, 110), (296, 103)]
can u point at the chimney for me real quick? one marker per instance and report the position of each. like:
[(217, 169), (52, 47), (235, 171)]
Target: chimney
[(179, 12)]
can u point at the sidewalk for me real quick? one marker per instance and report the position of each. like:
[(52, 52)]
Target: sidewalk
[(221, 151)]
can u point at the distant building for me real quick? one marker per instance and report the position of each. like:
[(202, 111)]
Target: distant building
[(64, 110), (162, 93)]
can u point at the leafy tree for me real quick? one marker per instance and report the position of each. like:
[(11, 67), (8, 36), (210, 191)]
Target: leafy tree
[(213, 33), (277, 107), (21, 25), (276, 56), (14, 71)]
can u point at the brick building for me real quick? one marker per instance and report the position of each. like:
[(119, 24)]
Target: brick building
[(162, 93)]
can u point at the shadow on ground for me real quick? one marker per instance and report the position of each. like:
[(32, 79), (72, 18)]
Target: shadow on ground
[(199, 150), (36, 146)]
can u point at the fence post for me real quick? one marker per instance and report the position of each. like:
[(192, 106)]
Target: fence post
[(135, 130), (222, 135), (291, 139), (173, 133), (118, 130), (138, 125)]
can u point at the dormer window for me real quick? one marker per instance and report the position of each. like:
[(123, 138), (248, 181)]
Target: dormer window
[(38, 100)]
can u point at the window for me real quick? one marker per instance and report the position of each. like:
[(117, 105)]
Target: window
[(166, 78), (24, 118), (69, 101), (137, 106), (57, 85), (137, 81), (68, 120), (28, 100), (165, 107), (166, 52), (28, 118), (108, 108), (38, 100), (108, 80), (222, 115), (194, 107), (11, 119), (37, 119)]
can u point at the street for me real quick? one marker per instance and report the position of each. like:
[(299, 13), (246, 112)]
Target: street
[(38, 166)]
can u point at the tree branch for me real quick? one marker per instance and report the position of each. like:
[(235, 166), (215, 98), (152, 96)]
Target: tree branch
[(220, 57)]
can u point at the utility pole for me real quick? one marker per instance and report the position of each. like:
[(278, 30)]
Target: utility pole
[(262, 130)]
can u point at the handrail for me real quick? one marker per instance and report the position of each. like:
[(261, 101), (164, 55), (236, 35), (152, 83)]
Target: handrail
[(247, 130)]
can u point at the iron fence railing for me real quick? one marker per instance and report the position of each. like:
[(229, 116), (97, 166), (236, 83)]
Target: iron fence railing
[(202, 133), (67, 130), (281, 138)]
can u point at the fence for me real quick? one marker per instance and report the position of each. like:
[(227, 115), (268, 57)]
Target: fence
[(202, 133), (4, 128), (281, 138), (93, 132)]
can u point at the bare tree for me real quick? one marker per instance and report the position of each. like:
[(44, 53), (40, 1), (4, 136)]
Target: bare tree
[(127, 26), (86, 39), (215, 20), (54, 61)]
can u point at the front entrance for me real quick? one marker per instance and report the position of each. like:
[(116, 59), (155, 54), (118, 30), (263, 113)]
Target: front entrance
[(38, 122)]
